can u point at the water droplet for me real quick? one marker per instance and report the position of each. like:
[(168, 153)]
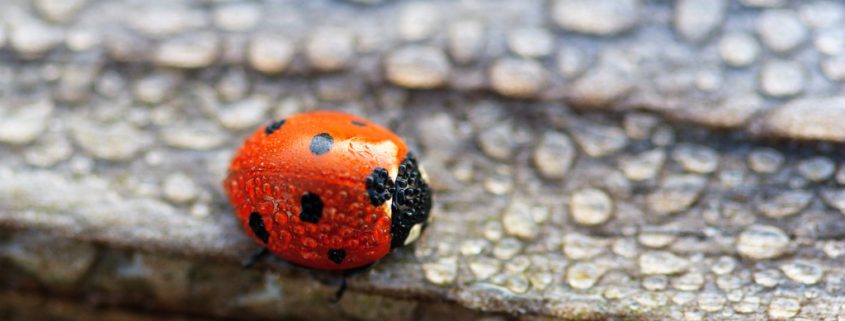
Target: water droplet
[(734, 295), (765, 160), (696, 158), (638, 125), (443, 271), (711, 302), (816, 169), (651, 299), (834, 249), (540, 280), (655, 240), (693, 316), (519, 222), (676, 193), (749, 304), (590, 207), (582, 247), (518, 264), (507, 248), (782, 308), (180, 188), (474, 247), (813, 292), (598, 140), (493, 231), (663, 136), (553, 155), (768, 278), (625, 247), (483, 267), (728, 282), (616, 293), (499, 183), (682, 298), (785, 204), (517, 283), (662, 262), (802, 272), (760, 242), (655, 282), (643, 166), (724, 265), (691, 281), (583, 275), (200, 210)]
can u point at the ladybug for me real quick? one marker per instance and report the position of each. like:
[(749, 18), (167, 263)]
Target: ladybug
[(328, 190)]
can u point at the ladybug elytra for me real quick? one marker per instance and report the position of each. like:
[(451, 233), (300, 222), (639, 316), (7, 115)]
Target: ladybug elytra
[(328, 190)]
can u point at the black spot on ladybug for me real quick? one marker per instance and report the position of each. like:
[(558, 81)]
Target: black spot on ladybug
[(256, 223), (337, 255), (380, 187), (321, 144), (358, 123), (411, 201), (312, 208), (274, 126)]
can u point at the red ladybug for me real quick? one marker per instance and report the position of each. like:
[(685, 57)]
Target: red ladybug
[(328, 190)]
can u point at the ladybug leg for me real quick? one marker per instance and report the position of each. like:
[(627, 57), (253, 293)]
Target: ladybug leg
[(254, 258), (340, 290), (347, 273)]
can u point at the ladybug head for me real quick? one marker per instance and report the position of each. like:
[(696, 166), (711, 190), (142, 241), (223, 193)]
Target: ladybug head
[(411, 203)]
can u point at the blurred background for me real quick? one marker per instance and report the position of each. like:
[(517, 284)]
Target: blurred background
[(591, 159)]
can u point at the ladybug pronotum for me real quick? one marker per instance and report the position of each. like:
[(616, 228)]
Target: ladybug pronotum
[(328, 190)]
